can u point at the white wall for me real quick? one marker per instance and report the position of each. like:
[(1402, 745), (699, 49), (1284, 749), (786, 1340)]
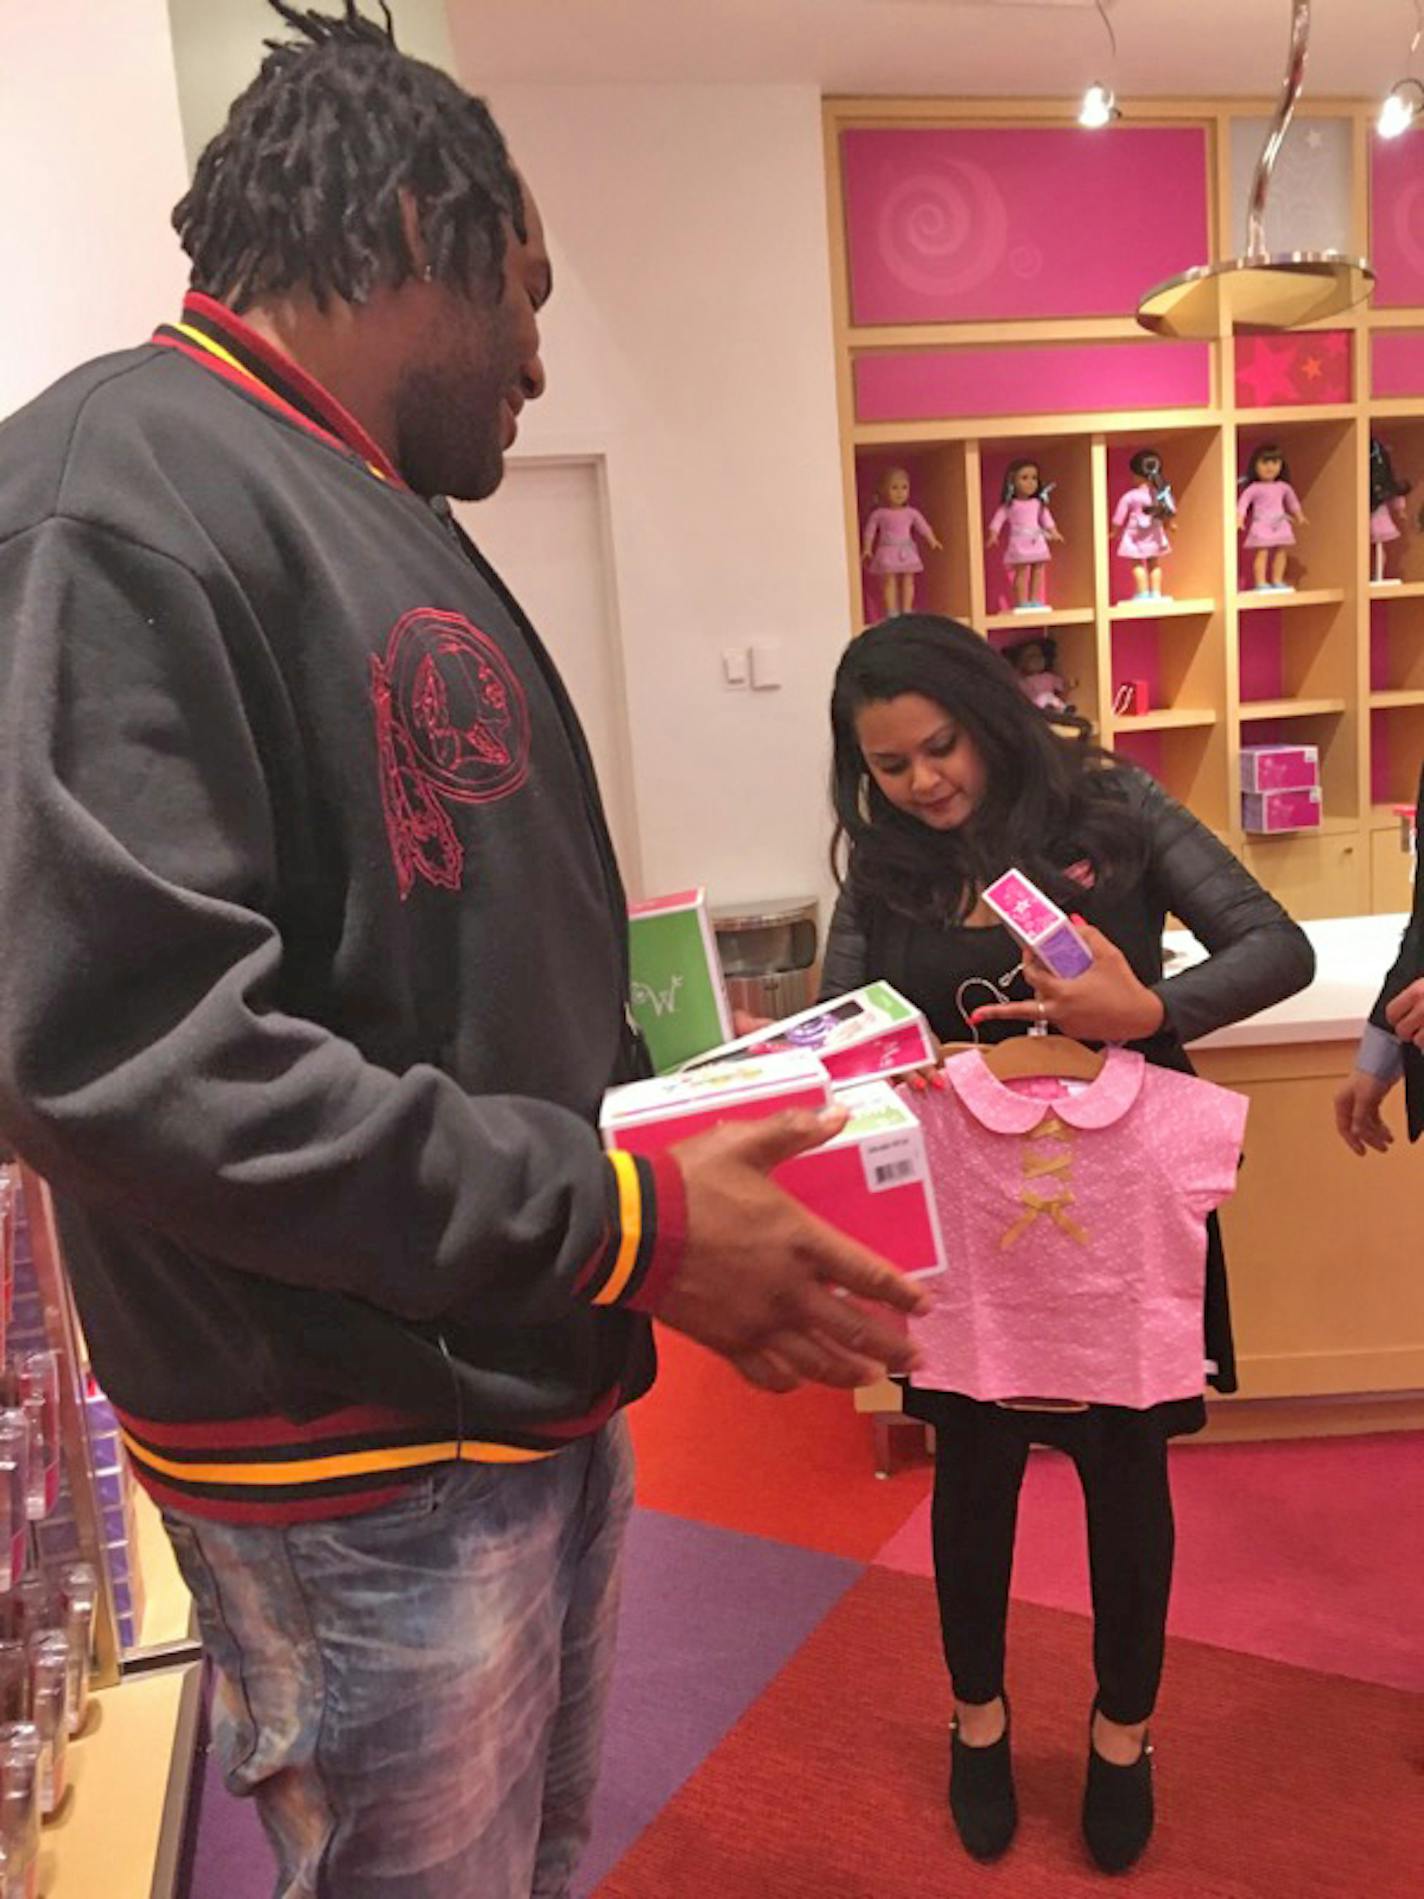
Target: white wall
[(91, 159), (218, 47), (689, 341)]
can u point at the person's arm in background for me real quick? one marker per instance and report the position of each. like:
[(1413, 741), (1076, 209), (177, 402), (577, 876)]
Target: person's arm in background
[(1396, 1020), (846, 963), (148, 1067)]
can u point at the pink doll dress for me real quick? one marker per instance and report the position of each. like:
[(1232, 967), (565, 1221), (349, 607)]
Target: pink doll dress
[(1028, 522), (895, 551), (1045, 690), (1270, 505), (1384, 522), (1146, 534), (1074, 1223)]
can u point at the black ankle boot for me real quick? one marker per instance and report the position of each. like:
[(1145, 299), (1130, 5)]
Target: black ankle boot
[(1117, 1807), (981, 1793)]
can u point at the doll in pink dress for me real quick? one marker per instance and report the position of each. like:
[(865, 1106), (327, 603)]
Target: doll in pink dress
[(889, 546), (1270, 501), (1035, 662), (1146, 514), (1024, 510), (1388, 508)]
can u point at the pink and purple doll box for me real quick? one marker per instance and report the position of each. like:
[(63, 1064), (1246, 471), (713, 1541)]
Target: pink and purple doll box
[(1038, 924), (1279, 767), (1266, 812)]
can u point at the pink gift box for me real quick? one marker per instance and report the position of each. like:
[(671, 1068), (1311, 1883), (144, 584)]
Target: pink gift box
[(1279, 767), (871, 1181), (647, 1116), (869, 1033), (1038, 924), (1268, 811)]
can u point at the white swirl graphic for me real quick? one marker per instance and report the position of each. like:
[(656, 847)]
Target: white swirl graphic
[(1409, 227), (942, 232)]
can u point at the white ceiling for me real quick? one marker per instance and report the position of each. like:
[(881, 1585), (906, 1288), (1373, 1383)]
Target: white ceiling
[(949, 47)]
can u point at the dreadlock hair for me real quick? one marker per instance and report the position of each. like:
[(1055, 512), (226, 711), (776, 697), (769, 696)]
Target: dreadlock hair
[(1049, 800), (304, 185)]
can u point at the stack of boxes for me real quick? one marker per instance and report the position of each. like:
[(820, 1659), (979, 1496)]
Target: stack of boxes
[(1280, 788)]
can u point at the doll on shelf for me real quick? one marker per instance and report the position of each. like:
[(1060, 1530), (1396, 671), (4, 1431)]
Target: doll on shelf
[(889, 548), (1023, 509), (1388, 493), (1147, 516), (1036, 663), (1272, 504)]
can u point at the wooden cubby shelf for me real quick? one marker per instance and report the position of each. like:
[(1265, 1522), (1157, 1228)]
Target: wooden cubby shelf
[(954, 379), (1169, 719), (1249, 601), (1253, 710), (1049, 616), (1160, 609)]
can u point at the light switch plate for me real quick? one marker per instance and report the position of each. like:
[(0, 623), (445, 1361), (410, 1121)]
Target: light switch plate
[(766, 665), (734, 666)]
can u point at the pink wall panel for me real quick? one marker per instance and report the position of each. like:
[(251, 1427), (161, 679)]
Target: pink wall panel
[(1137, 654), (1397, 220), (963, 224), (1379, 758), (1397, 363), (1306, 368), (1052, 379), (1262, 655)]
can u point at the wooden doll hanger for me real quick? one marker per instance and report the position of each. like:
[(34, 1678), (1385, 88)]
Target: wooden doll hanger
[(1042, 1055)]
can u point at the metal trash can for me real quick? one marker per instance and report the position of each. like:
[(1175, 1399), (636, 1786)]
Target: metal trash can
[(768, 954)]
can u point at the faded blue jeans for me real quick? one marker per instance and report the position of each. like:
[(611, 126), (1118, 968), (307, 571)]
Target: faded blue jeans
[(415, 1696)]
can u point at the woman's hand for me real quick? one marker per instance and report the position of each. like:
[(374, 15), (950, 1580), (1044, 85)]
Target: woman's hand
[(919, 1081), (1357, 1114), (1406, 1014), (1106, 1003)]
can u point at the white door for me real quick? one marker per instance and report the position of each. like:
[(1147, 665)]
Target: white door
[(546, 530)]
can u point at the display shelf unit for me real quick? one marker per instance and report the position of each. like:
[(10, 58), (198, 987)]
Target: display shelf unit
[(1009, 331)]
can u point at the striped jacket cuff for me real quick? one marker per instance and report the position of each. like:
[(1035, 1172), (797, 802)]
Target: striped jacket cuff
[(646, 1230)]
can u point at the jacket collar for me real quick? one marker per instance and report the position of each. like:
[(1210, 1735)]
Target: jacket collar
[(997, 1107), (209, 334)]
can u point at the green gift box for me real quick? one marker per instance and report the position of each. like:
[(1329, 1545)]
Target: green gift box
[(678, 993)]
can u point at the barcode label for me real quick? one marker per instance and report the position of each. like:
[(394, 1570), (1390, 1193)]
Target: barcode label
[(892, 1162)]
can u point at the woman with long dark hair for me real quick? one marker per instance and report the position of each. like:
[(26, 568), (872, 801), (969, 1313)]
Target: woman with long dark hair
[(945, 776)]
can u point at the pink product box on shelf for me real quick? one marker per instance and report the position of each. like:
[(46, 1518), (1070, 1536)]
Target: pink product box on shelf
[(1038, 924), (872, 1181), (869, 1034), (647, 1116), (1279, 767), (1269, 811)]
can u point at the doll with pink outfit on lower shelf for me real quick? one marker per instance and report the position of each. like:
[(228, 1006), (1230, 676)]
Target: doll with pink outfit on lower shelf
[(1023, 509), (889, 549), (1389, 495), (1273, 509)]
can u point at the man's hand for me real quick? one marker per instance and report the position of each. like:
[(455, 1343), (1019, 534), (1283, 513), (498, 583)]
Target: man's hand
[(1357, 1113), (1406, 1014), (767, 1284)]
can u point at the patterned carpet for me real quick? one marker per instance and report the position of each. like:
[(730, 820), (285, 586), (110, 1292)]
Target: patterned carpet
[(779, 1713)]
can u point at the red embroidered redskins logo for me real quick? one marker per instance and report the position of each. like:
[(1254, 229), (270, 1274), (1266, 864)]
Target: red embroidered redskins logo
[(452, 724)]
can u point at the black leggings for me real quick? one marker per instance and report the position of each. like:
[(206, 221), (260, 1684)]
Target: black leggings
[(1121, 1459)]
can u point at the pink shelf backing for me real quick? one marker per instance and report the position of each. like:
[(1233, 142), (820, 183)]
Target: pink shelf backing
[(964, 224), (1397, 222), (1397, 363), (1049, 379), (1303, 370)]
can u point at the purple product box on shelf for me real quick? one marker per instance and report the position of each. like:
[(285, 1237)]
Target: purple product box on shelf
[(1038, 924), (1279, 767)]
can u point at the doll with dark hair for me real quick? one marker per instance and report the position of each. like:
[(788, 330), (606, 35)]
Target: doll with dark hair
[(1146, 515), (1272, 505), (1023, 509), (1389, 494)]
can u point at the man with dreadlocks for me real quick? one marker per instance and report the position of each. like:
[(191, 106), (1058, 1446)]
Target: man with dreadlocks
[(314, 977)]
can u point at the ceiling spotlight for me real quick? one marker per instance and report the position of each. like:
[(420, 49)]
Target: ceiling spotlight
[(1099, 107), (1400, 108)]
